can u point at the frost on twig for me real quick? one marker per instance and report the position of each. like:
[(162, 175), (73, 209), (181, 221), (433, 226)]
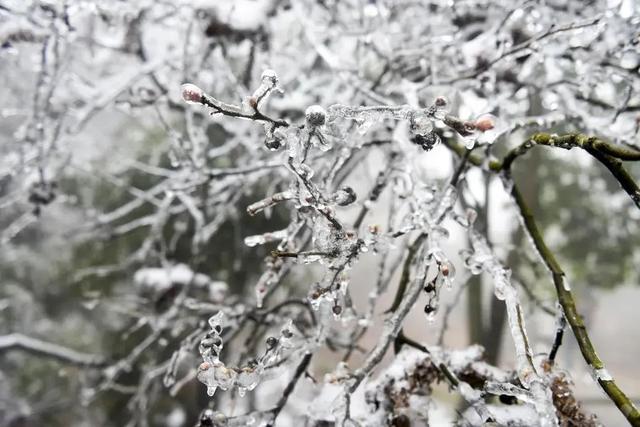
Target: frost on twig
[(214, 373), (287, 217), (536, 390)]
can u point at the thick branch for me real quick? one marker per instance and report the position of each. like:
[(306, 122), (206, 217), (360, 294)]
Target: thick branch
[(608, 154), (571, 313), (565, 297)]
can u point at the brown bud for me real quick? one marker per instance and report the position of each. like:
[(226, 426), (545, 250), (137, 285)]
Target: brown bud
[(192, 93), (440, 101), (485, 123), (444, 269)]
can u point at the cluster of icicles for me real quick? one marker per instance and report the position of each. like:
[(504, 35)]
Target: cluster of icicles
[(214, 373)]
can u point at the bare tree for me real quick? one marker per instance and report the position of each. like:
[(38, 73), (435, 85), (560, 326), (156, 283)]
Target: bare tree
[(222, 193)]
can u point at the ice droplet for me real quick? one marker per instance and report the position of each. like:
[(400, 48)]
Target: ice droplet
[(421, 124), (601, 374), (448, 272), (430, 311), (252, 241), (469, 142), (305, 171), (630, 59)]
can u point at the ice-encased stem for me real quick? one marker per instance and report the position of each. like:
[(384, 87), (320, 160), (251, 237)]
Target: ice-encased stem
[(540, 393)]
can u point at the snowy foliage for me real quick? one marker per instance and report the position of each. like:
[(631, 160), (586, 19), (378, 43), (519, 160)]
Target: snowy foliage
[(248, 199)]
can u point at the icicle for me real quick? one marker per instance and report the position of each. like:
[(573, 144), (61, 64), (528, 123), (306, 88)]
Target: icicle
[(248, 378)]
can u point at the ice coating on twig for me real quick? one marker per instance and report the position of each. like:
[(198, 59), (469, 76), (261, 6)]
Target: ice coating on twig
[(535, 384)]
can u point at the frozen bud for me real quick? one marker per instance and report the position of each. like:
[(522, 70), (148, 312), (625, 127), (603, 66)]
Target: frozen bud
[(429, 287), (440, 101), (428, 309), (305, 171), (468, 128), (192, 93), (219, 419), (253, 102), (426, 141), (209, 418), (630, 59), (206, 419), (444, 269), (272, 142), (337, 310), (270, 77), (472, 215), (345, 196), (485, 123), (272, 342), (315, 115)]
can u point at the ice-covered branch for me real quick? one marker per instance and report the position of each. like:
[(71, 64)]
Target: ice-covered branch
[(565, 297), (250, 107), (608, 154), (42, 348)]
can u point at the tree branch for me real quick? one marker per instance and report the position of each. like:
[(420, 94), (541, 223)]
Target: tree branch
[(608, 154), (595, 147), (565, 297), (54, 351)]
